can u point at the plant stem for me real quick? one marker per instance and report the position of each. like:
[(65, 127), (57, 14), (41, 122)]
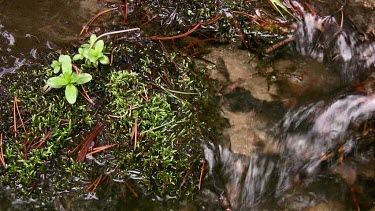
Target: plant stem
[(114, 32)]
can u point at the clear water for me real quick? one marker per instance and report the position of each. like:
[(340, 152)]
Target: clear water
[(317, 148), (305, 136)]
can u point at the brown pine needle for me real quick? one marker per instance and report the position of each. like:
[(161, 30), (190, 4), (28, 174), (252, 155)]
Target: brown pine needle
[(187, 174), (1, 151), (144, 89), (75, 149), (95, 184), (279, 44), (87, 142), (40, 143), (177, 36), (202, 174), (15, 117), (16, 108), (131, 189), (86, 96), (86, 26), (98, 149), (135, 134)]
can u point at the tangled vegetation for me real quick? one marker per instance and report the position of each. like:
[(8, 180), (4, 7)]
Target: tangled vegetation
[(149, 119)]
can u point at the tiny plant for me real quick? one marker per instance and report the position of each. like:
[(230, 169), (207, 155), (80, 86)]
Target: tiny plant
[(92, 52), (68, 78), (56, 65)]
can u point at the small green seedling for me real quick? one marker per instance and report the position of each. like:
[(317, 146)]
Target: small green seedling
[(56, 65), (92, 52), (69, 79)]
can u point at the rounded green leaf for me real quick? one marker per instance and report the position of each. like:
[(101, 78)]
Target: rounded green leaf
[(99, 46), (104, 59), (73, 78), (56, 65), (92, 38), (83, 78), (85, 46), (93, 55), (77, 57), (57, 82), (86, 53), (71, 93), (66, 63)]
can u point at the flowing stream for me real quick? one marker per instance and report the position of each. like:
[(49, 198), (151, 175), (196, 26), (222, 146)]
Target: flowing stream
[(310, 143), (319, 149)]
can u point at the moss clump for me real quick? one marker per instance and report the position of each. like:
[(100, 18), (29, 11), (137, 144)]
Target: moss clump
[(151, 103), (48, 122), (153, 122)]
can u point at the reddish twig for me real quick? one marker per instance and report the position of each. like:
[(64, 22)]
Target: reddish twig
[(15, 117), (98, 149), (216, 18), (86, 96), (86, 26), (135, 134), (1, 151), (197, 53), (187, 174), (16, 108), (39, 144), (213, 20), (312, 11), (19, 115), (131, 189), (354, 197), (76, 148), (148, 21), (95, 184), (123, 13), (279, 44), (177, 36), (242, 36), (87, 142), (84, 93), (166, 51), (202, 174), (123, 193)]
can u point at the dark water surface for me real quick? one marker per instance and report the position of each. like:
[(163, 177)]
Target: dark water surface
[(30, 27)]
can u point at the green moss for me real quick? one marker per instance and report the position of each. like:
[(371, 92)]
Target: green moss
[(164, 119), (49, 124), (148, 87)]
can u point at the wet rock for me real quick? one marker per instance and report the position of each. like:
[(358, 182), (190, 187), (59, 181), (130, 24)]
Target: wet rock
[(303, 78), (328, 206), (238, 69)]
